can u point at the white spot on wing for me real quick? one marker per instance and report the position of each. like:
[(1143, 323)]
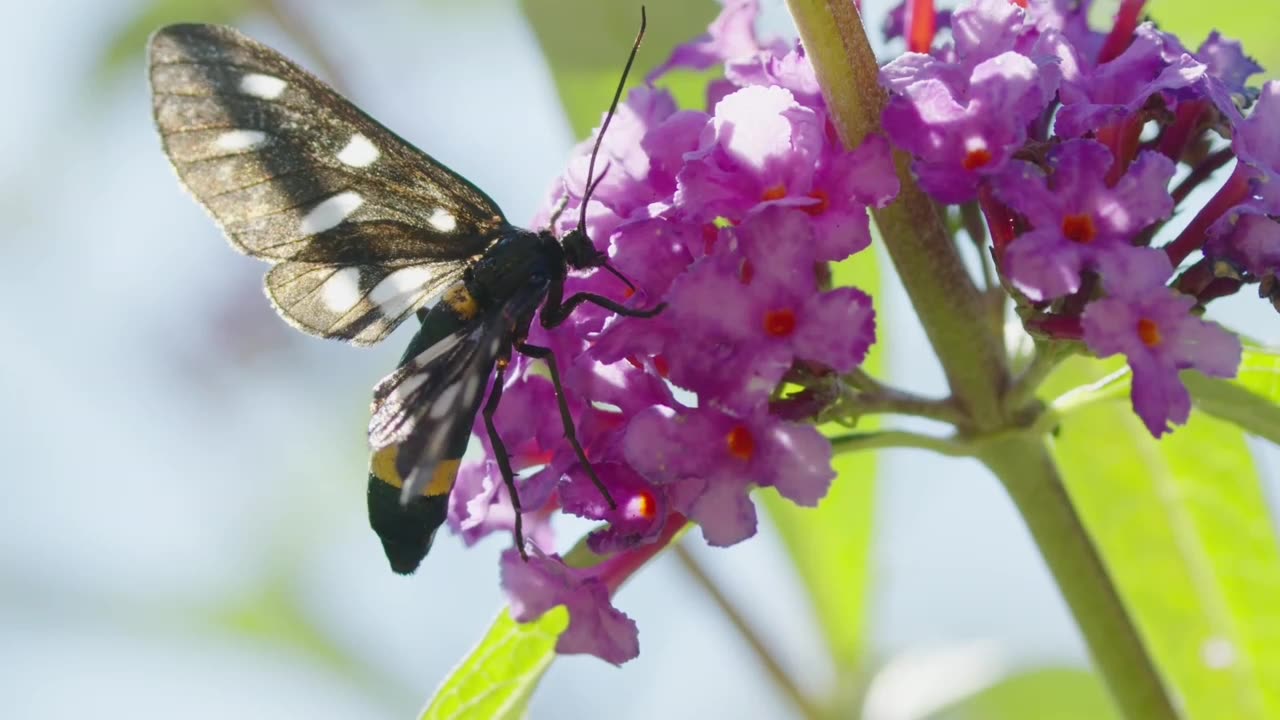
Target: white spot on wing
[(330, 212), (359, 152), (442, 220), (397, 292), (470, 389), (429, 355), (444, 402), (239, 139), (341, 291), (262, 86)]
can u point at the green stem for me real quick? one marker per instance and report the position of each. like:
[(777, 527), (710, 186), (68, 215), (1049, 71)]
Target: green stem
[(889, 439), (1025, 468), (950, 307), (953, 314), (772, 667), (870, 396), (1046, 358)]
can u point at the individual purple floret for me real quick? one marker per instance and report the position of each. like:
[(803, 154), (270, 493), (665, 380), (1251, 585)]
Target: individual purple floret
[(1257, 144), (1114, 92), (595, 626), (1153, 327), (1248, 240), (738, 453), (1076, 221), (962, 112)]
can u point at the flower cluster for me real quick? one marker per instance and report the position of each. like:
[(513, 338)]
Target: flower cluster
[(1068, 140), (728, 215), (1065, 140)]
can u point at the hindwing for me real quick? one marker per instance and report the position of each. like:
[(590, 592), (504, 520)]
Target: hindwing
[(426, 408)]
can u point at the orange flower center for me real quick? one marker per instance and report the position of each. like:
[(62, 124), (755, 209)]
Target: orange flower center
[(661, 365), (642, 505), (710, 233), (1079, 228), (975, 159), (780, 323), (777, 192), (1149, 332), (741, 444)]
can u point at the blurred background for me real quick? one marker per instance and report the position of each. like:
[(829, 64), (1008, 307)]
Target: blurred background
[(183, 533)]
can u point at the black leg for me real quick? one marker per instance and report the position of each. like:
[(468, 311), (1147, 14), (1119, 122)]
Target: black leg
[(570, 433), (504, 459), (552, 317)]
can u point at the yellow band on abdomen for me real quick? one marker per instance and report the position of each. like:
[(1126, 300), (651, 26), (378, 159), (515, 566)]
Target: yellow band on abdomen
[(383, 466)]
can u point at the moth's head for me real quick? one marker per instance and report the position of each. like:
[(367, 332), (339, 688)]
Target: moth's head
[(580, 252)]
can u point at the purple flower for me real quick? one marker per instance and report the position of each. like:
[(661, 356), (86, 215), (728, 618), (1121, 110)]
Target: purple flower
[(1249, 240), (632, 176), (958, 139), (1257, 144), (764, 148), (1228, 63), (639, 517), (1070, 19), (963, 111), (711, 460), (728, 217), (757, 308), (760, 146), (984, 29), (1077, 221), (1157, 333), (731, 35), (1115, 92), (595, 626), (791, 71)]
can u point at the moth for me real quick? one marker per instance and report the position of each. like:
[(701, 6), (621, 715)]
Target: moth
[(363, 230)]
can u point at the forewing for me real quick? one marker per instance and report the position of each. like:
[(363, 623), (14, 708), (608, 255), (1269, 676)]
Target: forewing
[(364, 227), (428, 405)]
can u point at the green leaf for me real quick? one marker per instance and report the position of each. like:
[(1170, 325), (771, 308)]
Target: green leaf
[(830, 546), (1260, 372), (1044, 694), (1249, 21), (586, 43), (1251, 400), (498, 677), (1183, 526)]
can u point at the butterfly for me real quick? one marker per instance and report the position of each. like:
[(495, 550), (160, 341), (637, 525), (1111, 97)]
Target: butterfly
[(363, 230)]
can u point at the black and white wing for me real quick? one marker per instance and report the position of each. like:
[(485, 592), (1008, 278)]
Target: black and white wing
[(427, 406), (362, 228)]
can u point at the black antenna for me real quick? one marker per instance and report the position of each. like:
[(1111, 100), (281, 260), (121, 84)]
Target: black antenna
[(619, 275), (613, 107)]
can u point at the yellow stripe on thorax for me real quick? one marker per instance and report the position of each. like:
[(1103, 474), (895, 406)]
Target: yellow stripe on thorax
[(383, 466), (461, 301)]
